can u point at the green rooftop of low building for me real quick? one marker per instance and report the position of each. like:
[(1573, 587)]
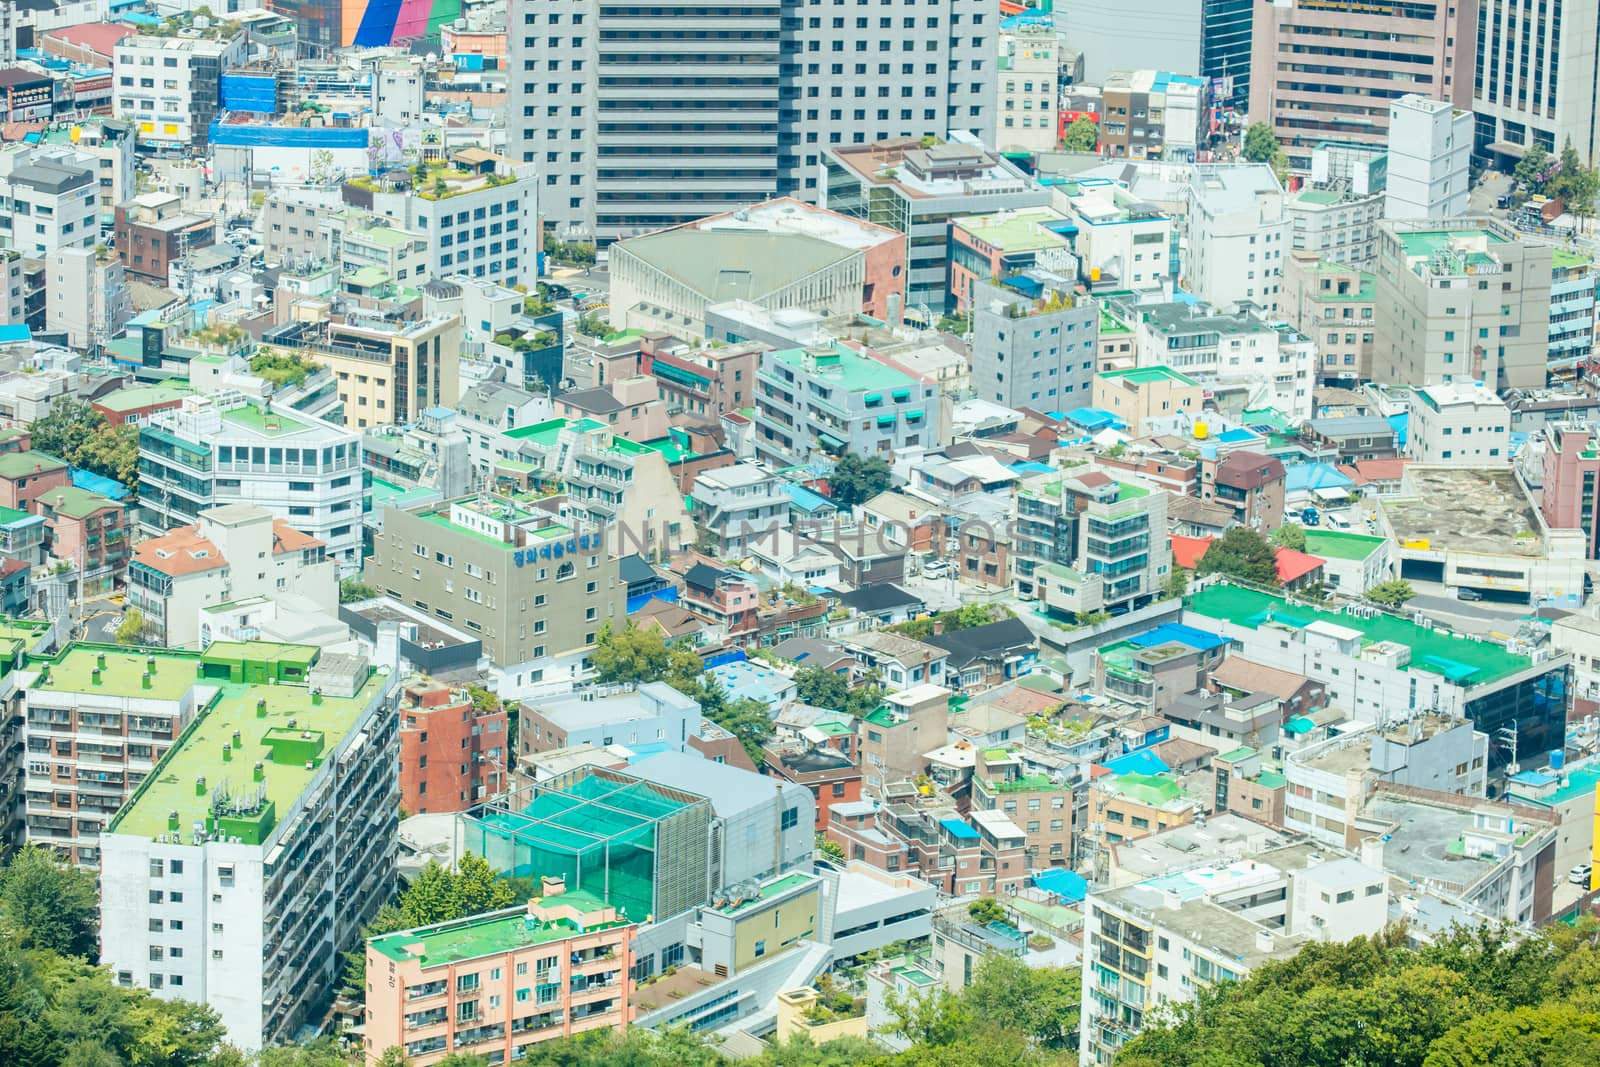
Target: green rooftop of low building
[(247, 757), (15, 465), (491, 935), (1336, 544), (116, 671), (1146, 375), (268, 424), (546, 434), (775, 888), (1018, 231), (138, 397), (1152, 790), (848, 370), (1110, 324), (76, 503), (1569, 259), (1463, 660)]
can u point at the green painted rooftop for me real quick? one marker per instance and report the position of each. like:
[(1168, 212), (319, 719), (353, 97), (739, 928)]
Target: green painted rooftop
[(136, 397), (1110, 324), (1018, 231), (1129, 491), (26, 464), (1271, 780), (77, 503), (122, 675), (367, 277), (1332, 544), (1464, 660), (1242, 752), (11, 515), (487, 935), (250, 417), (1151, 789), (849, 371), (540, 433), (1567, 259), (1145, 375), (266, 737), (383, 235), (1319, 196)]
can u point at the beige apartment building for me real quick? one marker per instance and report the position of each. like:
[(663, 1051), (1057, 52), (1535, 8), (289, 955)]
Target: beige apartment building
[(1040, 806), (535, 589), (1136, 396), (1327, 70), (1463, 300), (494, 984), (1334, 304), (387, 373), (1126, 807)]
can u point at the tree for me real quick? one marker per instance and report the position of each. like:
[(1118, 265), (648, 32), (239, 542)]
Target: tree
[(1241, 553), (749, 721), (113, 452), (856, 480), (1081, 136), (1391, 594), (477, 888), (49, 905), (130, 631), (631, 655), (1575, 183), (822, 688), (430, 898), (282, 369), (831, 850), (594, 326), (1261, 146), (986, 910), (352, 590), (1289, 536), (1177, 583), (1532, 170), (66, 429), (1041, 1003)]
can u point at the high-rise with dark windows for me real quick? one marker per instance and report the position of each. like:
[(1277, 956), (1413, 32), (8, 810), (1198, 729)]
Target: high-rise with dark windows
[(1225, 47), (641, 115)]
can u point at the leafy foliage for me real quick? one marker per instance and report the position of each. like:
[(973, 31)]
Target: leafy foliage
[(353, 589), (594, 326), (965, 617), (77, 433), (130, 631), (1289, 536), (1241, 553), (282, 368), (1473, 998), (640, 655), (986, 910), (1261, 146), (46, 904), (822, 688), (1391, 594), (831, 850), (856, 480), (1081, 136)]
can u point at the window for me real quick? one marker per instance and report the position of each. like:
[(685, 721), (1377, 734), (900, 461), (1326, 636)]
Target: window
[(791, 819)]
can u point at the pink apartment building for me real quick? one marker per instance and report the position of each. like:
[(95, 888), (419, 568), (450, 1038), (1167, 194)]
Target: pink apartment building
[(501, 981)]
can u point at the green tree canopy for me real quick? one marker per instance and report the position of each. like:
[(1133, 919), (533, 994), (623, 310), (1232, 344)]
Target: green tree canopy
[(1391, 594), (1291, 535), (855, 480), (1241, 553), (822, 688), (48, 904), (1081, 135)]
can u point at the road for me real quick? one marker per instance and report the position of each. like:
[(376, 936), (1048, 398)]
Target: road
[(102, 627), (1478, 617)]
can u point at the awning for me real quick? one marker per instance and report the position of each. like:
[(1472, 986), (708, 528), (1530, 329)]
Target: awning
[(885, 420), (827, 440), (1507, 148), (902, 394), (874, 398), (914, 414)]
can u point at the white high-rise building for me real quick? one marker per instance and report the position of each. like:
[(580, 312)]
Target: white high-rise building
[(1430, 153), (250, 856), (647, 116), (1536, 79), (1236, 235), (86, 295)]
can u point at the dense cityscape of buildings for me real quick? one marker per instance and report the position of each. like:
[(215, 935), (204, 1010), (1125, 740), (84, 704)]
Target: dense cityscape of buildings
[(811, 497)]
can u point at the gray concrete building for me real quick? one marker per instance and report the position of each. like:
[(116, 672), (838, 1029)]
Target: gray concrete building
[(535, 589), (833, 401), (648, 116), (1535, 82), (1461, 300), (1033, 345)]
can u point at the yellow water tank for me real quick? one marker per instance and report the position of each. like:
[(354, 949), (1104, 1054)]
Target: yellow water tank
[(1201, 431), (1094, 274), (77, 132)]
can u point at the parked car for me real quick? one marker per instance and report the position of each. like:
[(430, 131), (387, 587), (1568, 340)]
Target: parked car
[(1581, 874), (1468, 594), (936, 568), (1310, 517)]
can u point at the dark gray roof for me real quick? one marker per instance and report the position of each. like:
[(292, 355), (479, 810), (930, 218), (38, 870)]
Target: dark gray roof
[(981, 642), (51, 176), (1353, 426), (596, 401), (633, 569), (704, 576), (878, 596)]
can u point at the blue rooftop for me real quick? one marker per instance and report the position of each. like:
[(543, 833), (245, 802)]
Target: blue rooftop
[(958, 830), (98, 483), (1306, 476), (1095, 419), (1139, 761), (1204, 640), (808, 500), (1533, 778), (1070, 886), (1237, 435), (12, 333)]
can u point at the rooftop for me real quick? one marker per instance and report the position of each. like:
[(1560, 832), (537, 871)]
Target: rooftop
[(847, 370), (1464, 509), (774, 888), (121, 676), (495, 933), (282, 727), (1019, 231), (1332, 544), (1464, 660), (1146, 375)]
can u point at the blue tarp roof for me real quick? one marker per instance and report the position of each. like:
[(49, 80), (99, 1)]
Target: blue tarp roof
[(13, 332), (1070, 886), (1305, 476), (98, 483), (959, 830), (1204, 640), (1028, 466), (1400, 422), (808, 500), (1094, 419), (1238, 433), (1139, 761)]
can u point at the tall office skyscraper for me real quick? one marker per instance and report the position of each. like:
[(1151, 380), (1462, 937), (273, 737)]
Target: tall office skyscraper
[(1327, 70), (1225, 46), (649, 115), (1537, 78)]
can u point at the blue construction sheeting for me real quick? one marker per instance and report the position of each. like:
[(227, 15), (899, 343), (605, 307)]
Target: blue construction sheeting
[(1069, 887), (255, 92), (1095, 419), (14, 333), (959, 830), (1308, 476), (1400, 422), (98, 483), (732, 655), (264, 136), (808, 500), (669, 594), (1139, 761), (1168, 632)]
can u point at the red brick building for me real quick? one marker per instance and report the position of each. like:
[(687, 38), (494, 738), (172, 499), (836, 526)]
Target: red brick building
[(26, 476), (451, 756), (827, 772)]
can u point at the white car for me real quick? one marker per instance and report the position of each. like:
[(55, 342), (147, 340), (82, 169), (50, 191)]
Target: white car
[(936, 568), (1581, 874)]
